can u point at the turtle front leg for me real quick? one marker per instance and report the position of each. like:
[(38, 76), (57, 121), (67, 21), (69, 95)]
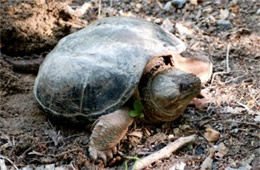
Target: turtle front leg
[(107, 133)]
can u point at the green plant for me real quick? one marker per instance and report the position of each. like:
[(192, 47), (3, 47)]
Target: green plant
[(138, 110), (131, 158)]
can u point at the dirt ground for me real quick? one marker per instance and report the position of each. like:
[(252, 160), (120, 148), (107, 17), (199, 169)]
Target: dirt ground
[(226, 31)]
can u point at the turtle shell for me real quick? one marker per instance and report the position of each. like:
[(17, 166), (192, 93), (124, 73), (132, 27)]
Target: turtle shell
[(94, 71)]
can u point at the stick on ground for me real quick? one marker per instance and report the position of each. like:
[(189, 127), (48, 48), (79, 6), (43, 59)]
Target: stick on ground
[(11, 162), (164, 152)]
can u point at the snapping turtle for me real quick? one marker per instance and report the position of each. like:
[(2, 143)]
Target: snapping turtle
[(91, 74)]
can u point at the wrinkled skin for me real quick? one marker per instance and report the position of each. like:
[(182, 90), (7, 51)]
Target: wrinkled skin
[(164, 92)]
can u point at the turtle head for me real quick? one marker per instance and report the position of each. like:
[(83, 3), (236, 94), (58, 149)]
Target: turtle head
[(166, 94)]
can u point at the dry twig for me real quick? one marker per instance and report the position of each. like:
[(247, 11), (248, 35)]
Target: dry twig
[(227, 58), (207, 163), (99, 8), (227, 66), (159, 4), (66, 152), (164, 152), (239, 122), (11, 162)]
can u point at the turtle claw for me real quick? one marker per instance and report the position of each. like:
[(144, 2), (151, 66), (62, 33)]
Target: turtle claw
[(107, 132), (114, 150), (103, 155)]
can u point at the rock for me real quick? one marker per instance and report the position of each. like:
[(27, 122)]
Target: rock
[(157, 21), (2, 164), (224, 24), (179, 3), (176, 131), (184, 127), (257, 118), (170, 136), (168, 6), (178, 165), (49, 167), (183, 30), (28, 167), (234, 130), (138, 7), (258, 12), (168, 25), (228, 109), (222, 150)]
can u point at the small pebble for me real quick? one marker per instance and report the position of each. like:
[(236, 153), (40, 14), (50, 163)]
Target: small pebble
[(224, 24), (176, 131), (257, 118), (183, 30), (138, 5), (179, 3), (184, 127), (170, 136), (235, 131), (157, 21), (167, 6), (258, 12), (158, 130), (50, 167), (168, 25)]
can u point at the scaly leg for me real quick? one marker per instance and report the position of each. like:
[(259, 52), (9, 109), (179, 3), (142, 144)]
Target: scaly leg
[(107, 133)]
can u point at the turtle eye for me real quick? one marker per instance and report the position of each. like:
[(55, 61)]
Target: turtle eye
[(184, 87)]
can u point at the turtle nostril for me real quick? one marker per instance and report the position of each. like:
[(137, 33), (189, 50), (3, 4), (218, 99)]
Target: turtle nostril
[(184, 87)]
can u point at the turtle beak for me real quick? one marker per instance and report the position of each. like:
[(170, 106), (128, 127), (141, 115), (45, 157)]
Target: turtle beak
[(173, 88), (189, 85)]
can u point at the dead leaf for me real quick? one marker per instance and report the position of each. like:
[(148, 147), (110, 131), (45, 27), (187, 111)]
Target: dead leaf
[(167, 25), (251, 104), (224, 13), (134, 140), (200, 104), (147, 133), (4, 147), (204, 101), (211, 135), (235, 9), (178, 166), (222, 150), (194, 2), (183, 29), (136, 134), (155, 138)]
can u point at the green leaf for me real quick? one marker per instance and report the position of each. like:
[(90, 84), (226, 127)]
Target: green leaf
[(138, 107), (131, 158), (133, 113), (141, 115)]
